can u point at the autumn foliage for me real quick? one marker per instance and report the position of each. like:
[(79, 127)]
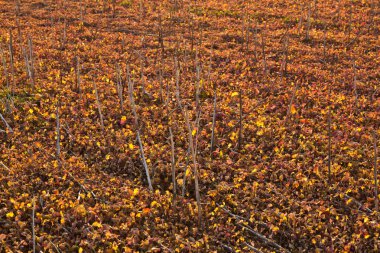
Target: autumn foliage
[(189, 126)]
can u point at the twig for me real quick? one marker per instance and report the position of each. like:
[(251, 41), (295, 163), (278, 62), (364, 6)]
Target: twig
[(58, 135), (197, 101), (226, 247), (2, 164), (33, 230), (144, 160), (263, 52), (5, 70), (355, 84), (213, 123), (300, 20), (375, 171), (184, 174), (78, 74), (252, 248), (99, 106), (366, 209), (142, 78), (160, 79), (173, 163), (119, 87), (308, 24), (240, 120), (12, 60), (267, 241), (238, 218), (133, 105), (55, 246), (81, 185), (177, 72), (6, 123), (291, 103), (197, 195), (329, 133), (32, 71), (284, 64)]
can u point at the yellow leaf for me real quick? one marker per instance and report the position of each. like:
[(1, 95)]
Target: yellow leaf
[(81, 210), (212, 193), (154, 203), (193, 132), (96, 224), (131, 147), (135, 192), (127, 249), (275, 229), (234, 94), (98, 144), (293, 109), (108, 157), (260, 122), (80, 250), (31, 111), (123, 120), (10, 215)]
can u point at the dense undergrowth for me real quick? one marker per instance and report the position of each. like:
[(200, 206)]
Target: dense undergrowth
[(302, 74)]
